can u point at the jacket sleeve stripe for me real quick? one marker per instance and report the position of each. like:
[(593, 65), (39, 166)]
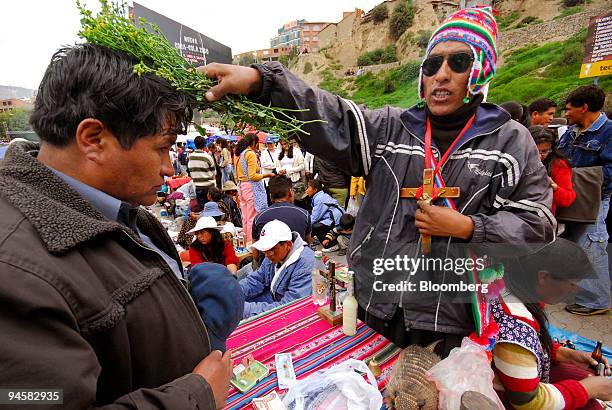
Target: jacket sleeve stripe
[(541, 210), (363, 138), (400, 149)]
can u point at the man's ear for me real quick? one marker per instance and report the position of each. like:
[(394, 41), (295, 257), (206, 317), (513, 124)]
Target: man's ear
[(584, 109), (92, 138)]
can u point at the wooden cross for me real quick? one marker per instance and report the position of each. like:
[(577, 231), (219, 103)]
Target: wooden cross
[(428, 193)]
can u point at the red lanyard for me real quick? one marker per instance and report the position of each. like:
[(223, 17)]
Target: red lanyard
[(428, 155)]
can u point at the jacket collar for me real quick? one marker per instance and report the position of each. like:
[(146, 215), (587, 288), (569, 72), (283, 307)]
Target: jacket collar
[(489, 118), (599, 122), (294, 256), (62, 217)]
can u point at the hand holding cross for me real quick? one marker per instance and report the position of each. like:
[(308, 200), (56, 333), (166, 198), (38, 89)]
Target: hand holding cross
[(428, 193)]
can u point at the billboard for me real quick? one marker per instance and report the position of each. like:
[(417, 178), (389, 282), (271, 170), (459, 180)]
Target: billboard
[(598, 48), (195, 47)]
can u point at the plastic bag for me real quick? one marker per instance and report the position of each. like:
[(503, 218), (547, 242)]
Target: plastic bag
[(352, 207), (467, 368), (338, 388)]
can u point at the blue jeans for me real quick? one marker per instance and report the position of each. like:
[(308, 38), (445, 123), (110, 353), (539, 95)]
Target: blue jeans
[(226, 173), (594, 292)]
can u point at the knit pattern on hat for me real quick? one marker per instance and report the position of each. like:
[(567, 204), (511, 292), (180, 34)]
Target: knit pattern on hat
[(476, 27)]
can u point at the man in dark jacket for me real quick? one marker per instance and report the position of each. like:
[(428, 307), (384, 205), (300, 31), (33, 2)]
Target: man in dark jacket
[(505, 197), (97, 304), (588, 143)]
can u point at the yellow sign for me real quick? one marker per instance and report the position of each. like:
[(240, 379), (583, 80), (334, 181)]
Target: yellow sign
[(597, 69)]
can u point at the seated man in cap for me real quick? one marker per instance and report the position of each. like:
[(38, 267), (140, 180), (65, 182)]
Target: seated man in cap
[(284, 274)]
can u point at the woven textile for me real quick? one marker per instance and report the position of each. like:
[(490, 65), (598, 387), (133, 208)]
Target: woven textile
[(315, 345)]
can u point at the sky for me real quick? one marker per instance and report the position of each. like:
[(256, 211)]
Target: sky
[(32, 30)]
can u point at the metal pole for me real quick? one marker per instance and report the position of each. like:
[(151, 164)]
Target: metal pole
[(596, 81)]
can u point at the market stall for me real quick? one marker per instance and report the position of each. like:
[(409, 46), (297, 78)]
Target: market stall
[(296, 328)]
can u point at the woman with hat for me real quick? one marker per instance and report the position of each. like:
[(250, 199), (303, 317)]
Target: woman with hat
[(209, 245), (269, 157), (211, 209)]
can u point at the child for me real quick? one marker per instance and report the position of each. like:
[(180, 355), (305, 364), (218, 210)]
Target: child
[(338, 238)]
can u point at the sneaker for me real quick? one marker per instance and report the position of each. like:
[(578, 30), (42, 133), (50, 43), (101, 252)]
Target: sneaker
[(333, 248), (576, 309)]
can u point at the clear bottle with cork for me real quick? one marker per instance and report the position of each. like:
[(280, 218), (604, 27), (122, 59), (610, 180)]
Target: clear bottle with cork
[(349, 308), (319, 290)]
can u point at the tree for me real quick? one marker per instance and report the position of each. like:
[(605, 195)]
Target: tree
[(16, 120), (246, 60), (380, 13), (401, 19)]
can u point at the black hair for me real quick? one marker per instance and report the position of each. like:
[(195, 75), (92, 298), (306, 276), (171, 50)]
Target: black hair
[(221, 142), (91, 81), (316, 184), (347, 221), (289, 151), (591, 95), (541, 105), (543, 135), (245, 142), (215, 194), (213, 252), (199, 142), (518, 112), (563, 259), (279, 186), (211, 146)]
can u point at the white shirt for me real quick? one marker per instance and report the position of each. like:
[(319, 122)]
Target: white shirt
[(268, 162)]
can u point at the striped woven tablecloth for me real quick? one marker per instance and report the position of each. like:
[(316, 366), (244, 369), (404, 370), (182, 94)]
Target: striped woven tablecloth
[(314, 345)]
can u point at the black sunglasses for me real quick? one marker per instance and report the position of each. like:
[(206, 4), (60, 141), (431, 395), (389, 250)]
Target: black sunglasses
[(458, 62)]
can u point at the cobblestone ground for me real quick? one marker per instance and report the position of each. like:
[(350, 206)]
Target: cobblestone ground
[(591, 327)]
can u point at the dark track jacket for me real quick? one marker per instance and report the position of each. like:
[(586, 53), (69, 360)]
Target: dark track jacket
[(504, 186)]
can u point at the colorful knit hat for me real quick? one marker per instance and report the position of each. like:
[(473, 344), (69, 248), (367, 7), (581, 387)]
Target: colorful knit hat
[(476, 27)]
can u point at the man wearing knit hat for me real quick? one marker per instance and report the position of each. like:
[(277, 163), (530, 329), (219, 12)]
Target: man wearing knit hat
[(504, 195)]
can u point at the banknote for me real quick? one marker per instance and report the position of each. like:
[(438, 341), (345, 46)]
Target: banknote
[(268, 402), (284, 370)]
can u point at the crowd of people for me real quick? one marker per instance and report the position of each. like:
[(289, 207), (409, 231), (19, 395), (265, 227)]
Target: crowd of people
[(93, 274)]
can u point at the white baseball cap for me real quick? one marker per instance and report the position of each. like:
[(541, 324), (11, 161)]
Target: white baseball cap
[(272, 233), (204, 223), (229, 228)]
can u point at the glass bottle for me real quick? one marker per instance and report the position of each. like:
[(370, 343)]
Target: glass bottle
[(349, 309)]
